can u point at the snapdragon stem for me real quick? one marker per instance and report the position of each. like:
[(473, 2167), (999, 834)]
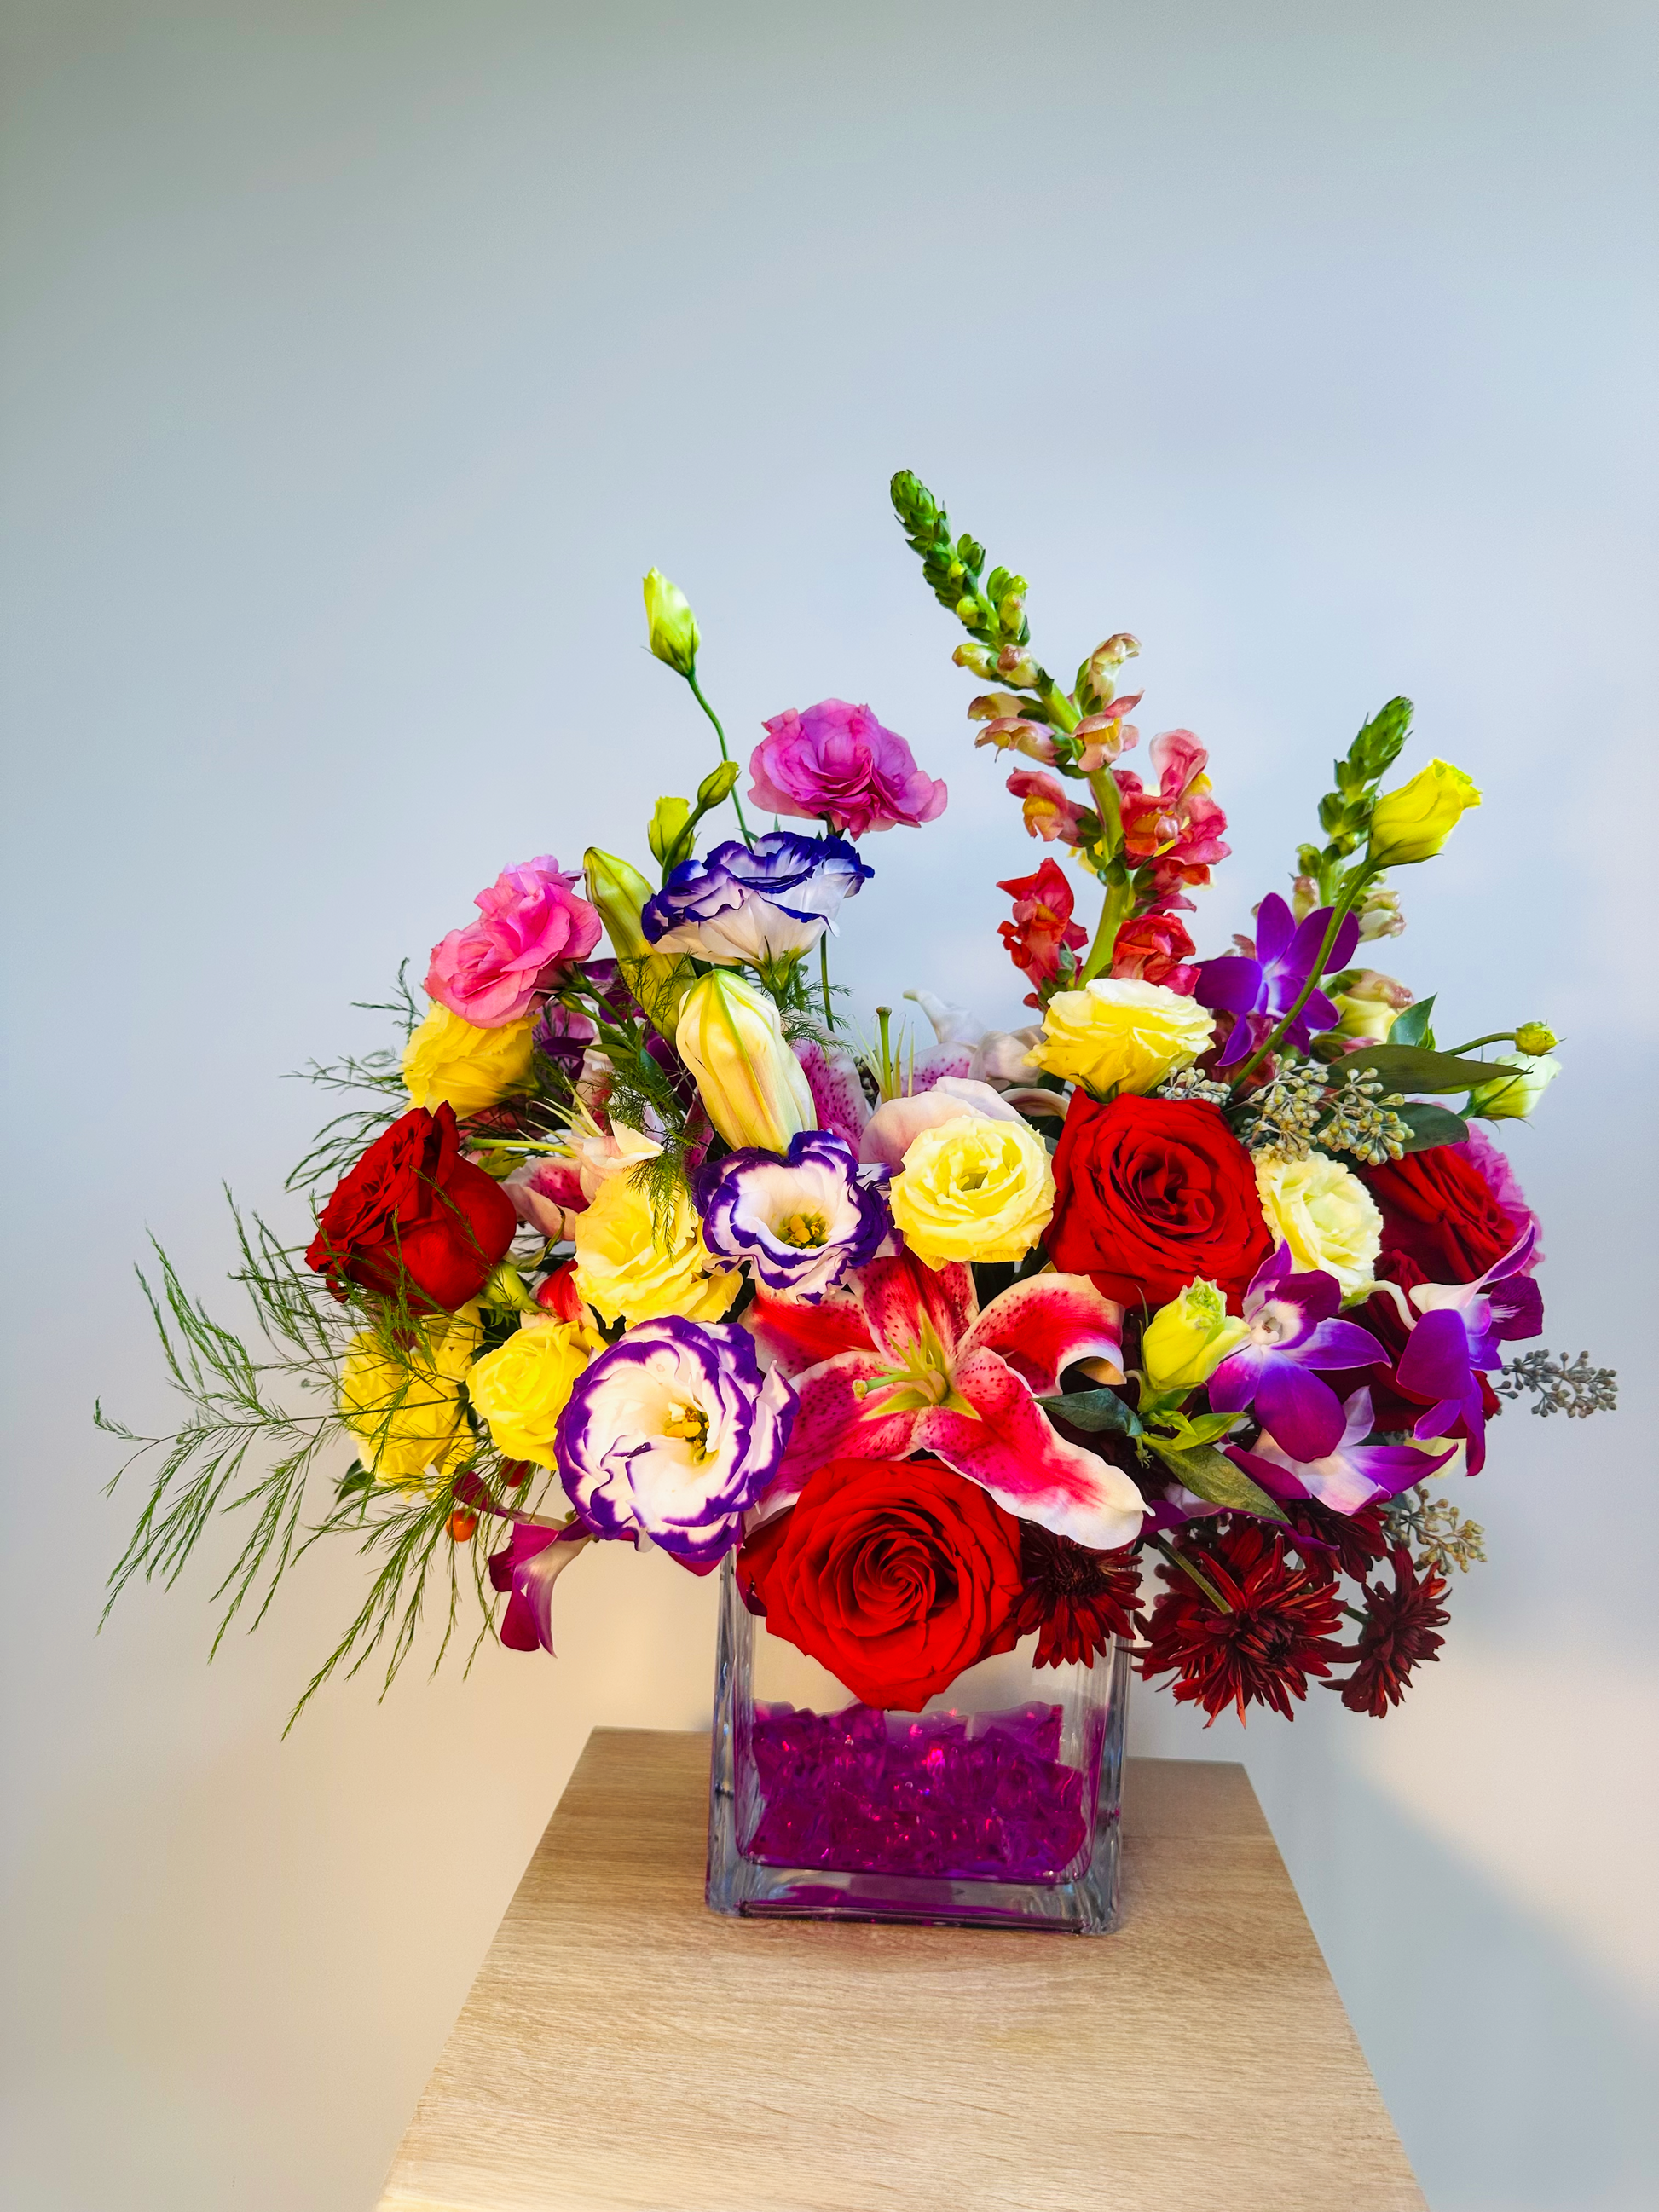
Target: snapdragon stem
[(1345, 903), (1119, 897), (1180, 1559), (696, 693)]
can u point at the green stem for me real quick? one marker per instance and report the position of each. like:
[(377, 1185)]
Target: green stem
[(883, 1015), (1061, 713), (823, 978), (1180, 1559), (1340, 912), (1498, 1037), (1120, 897), (696, 693)]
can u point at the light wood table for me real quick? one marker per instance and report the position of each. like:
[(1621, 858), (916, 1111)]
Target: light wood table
[(624, 2047)]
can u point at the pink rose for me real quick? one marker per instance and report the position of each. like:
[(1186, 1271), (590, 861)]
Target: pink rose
[(836, 762), (534, 918)]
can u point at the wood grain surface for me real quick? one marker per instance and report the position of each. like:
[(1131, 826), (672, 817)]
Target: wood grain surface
[(624, 2047)]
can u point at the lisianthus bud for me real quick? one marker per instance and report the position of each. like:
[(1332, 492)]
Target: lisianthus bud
[(1414, 823), (1535, 1037), (1508, 1098), (674, 634), (1184, 1342), (1368, 1007), (619, 892), (751, 1084)]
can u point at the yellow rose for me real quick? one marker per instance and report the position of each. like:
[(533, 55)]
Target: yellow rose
[(521, 1388), (447, 1060), (973, 1188), (1414, 823), (1127, 1035), (403, 1403), (1325, 1215), (628, 1263), (1184, 1342)]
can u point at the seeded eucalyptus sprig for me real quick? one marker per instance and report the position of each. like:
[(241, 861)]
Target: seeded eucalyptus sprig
[(1344, 813)]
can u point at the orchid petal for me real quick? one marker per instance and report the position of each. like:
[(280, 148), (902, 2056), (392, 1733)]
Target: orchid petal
[(836, 1419), (1517, 1307), (1009, 1449), (1043, 1327), (1340, 1344), (1236, 1382), (1436, 1361), (1233, 985), (1302, 1415), (1276, 932)]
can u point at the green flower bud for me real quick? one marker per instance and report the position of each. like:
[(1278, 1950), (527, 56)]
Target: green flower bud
[(674, 634), (1187, 1341), (1533, 1038)]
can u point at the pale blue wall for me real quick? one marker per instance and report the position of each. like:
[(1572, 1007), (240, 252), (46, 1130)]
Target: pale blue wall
[(358, 360)]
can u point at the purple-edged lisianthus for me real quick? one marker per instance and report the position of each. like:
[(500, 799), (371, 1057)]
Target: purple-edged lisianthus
[(802, 1217), (1456, 1329), (761, 905), (1294, 1334), (835, 763), (1260, 990), (672, 1434), (1348, 1476)]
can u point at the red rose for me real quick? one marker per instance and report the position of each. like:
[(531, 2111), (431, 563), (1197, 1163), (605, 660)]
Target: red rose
[(414, 1219), (1439, 1213), (1151, 1193), (894, 1574)]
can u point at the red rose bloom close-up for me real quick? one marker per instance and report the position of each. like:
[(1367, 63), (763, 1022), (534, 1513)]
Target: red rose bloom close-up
[(894, 1574), (1151, 1193), (413, 1218), (1438, 1212)]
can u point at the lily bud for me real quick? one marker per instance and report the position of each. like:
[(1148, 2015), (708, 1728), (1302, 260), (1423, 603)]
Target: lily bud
[(1533, 1038), (1184, 1342), (1510, 1097), (753, 1088), (1414, 823), (674, 634)]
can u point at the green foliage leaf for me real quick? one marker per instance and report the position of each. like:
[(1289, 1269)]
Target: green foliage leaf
[(1413, 1067), (1093, 1411), (1413, 1025), (1210, 1475), (1431, 1125)]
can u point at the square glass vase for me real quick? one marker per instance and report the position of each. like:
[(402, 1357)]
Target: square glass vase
[(996, 1806)]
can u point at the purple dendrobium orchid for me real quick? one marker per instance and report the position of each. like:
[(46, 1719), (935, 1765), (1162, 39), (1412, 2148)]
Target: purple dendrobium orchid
[(1261, 991), (1456, 1331), (527, 1568), (1347, 1477), (1293, 1332), (673, 1433)]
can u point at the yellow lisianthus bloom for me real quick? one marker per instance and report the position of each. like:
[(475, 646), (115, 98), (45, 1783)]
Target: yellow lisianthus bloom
[(1187, 1341), (522, 1387), (1414, 823), (1125, 1034), (974, 1188), (403, 1403), (1325, 1215), (629, 1263), (449, 1059)]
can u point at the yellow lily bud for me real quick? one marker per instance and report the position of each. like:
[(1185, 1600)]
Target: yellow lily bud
[(619, 891), (674, 634), (751, 1084), (1184, 1342), (1414, 823), (1510, 1097)]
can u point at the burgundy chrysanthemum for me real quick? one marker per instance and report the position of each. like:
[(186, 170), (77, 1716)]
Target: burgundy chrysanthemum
[(1080, 1599), (1356, 1541), (1275, 1632), (1399, 1634)]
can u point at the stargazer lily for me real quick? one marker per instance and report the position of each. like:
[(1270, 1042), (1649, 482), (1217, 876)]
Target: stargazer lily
[(904, 1361)]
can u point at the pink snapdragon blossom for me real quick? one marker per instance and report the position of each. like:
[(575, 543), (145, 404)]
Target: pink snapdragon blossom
[(534, 918), (1050, 814), (835, 762)]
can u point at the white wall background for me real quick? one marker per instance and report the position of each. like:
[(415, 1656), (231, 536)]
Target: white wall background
[(358, 360)]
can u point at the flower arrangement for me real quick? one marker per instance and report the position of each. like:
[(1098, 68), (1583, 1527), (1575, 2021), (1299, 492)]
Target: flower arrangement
[(1159, 1318)]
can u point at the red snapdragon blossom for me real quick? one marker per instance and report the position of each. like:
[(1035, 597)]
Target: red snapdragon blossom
[(1156, 948), (1041, 925), (1175, 829)]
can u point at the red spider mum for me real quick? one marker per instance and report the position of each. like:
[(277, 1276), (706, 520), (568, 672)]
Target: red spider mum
[(1399, 1634), (1275, 1632), (1356, 1540), (1080, 1599)]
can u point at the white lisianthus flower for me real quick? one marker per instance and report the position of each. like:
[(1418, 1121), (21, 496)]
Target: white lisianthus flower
[(802, 1219), (1326, 1215)]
